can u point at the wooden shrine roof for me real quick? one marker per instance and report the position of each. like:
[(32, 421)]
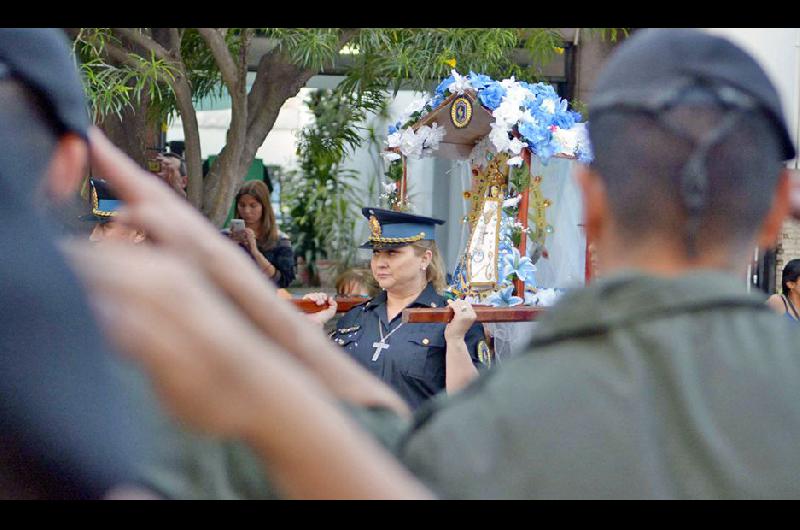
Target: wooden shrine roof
[(457, 143)]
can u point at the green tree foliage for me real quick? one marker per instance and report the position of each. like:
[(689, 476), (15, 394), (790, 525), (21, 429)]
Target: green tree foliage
[(178, 66), (321, 198)]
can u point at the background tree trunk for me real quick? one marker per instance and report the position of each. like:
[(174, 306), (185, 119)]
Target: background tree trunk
[(263, 104), (132, 133)]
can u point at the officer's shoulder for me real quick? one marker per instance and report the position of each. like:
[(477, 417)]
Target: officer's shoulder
[(352, 316)]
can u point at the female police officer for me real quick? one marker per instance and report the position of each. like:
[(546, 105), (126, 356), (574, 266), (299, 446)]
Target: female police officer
[(417, 360)]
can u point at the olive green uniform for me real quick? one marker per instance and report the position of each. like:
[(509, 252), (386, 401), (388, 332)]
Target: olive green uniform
[(635, 387)]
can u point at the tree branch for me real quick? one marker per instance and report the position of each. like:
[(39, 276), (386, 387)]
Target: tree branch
[(222, 55), (139, 39), (276, 58), (175, 42), (122, 57)]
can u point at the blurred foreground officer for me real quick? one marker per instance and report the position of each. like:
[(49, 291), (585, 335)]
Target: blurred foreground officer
[(65, 430), (104, 209)]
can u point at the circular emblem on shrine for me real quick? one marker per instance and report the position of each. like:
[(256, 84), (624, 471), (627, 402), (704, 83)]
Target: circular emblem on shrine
[(461, 112)]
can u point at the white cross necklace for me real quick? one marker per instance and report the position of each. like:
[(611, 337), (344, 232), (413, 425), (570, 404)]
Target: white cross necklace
[(382, 345)]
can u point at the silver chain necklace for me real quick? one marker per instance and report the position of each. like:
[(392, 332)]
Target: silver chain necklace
[(382, 345)]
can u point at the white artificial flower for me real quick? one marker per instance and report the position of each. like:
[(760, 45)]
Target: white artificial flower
[(567, 140), (390, 156), (415, 106), (499, 137), (460, 85), (435, 136), (513, 201), (394, 139), (527, 117), (508, 113), (517, 94), (423, 133), (546, 297), (548, 106), (435, 132), (509, 83), (515, 146), (514, 161), (411, 144)]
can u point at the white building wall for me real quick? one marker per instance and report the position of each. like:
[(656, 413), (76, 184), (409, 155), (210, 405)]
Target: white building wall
[(280, 145), (778, 52)]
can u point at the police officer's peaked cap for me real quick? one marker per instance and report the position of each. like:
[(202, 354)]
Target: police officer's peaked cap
[(390, 229), (42, 61), (655, 66), (103, 201)]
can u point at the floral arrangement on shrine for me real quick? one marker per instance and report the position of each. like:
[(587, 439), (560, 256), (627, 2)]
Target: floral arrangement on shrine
[(525, 116)]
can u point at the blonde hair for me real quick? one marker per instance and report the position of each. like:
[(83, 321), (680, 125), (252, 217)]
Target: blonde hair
[(434, 274), (361, 277), (260, 192)]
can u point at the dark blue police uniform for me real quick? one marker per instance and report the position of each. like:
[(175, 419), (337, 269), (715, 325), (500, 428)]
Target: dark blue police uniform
[(411, 358)]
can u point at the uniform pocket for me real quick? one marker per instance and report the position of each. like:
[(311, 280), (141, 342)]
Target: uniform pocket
[(426, 356)]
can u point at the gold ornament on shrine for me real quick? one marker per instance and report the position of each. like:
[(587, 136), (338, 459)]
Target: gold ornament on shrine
[(461, 112)]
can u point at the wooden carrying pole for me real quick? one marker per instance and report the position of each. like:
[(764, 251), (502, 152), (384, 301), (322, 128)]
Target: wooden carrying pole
[(443, 315), (343, 304)]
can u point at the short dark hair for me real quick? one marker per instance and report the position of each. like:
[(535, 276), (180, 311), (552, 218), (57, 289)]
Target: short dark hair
[(791, 272), (640, 162)]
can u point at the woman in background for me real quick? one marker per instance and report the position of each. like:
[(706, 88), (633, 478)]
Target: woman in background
[(788, 302), (271, 250)]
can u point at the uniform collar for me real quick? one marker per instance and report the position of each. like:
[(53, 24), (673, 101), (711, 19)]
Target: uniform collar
[(632, 296), (427, 298)]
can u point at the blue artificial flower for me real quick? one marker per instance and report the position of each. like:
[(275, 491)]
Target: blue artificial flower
[(545, 89), (545, 151), (527, 85), (576, 116), (436, 101), (503, 297), (393, 128), (492, 95), (529, 131), (479, 81), (565, 120), (444, 85), (522, 267)]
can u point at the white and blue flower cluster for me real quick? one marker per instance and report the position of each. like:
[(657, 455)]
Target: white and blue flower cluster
[(526, 115)]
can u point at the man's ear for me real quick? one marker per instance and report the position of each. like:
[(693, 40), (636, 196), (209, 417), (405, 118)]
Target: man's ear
[(67, 166), (595, 201), (773, 222)]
